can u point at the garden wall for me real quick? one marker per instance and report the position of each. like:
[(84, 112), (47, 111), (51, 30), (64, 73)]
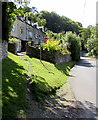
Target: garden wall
[(3, 50), (59, 58), (12, 47), (51, 56)]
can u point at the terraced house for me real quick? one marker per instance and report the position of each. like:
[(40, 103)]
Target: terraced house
[(26, 31)]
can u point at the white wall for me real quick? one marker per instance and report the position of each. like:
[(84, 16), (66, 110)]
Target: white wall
[(19, 46)]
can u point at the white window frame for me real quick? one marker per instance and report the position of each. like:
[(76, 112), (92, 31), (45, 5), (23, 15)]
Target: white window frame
[(14, 28)]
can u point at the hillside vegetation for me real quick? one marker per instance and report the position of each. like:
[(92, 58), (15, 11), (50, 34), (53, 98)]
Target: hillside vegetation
[(44, 78)]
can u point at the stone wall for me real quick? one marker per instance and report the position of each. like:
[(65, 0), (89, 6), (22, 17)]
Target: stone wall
[(45, 55), (3, 50), (12, 47), (51, 56), (59, 58)]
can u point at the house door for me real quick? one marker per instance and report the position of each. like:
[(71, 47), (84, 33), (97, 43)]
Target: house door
[(19, 46), (23, 46)]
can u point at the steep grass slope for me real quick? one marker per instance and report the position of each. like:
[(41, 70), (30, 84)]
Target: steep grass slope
[(44, 78)]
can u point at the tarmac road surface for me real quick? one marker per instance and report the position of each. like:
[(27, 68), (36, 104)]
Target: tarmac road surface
[(83, 83)]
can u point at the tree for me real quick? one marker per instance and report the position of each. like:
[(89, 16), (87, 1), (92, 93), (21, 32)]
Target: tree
[(8, 18), (73, 45), (34, 10), (79, 24), (57, 23), (85, 34), (92, 42), (22, 3), (32, 16), (9, 12)]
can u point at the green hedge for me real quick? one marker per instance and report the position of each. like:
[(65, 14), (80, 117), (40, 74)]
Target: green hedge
[(73, 45)]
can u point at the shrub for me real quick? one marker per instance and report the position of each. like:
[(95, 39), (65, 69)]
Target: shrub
[(92, 46), (51, 44), (12, 45), (54, 45), (73, 45), (64, 50), (13, 40), (92, 42)]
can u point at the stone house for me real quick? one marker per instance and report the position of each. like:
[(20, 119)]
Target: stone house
[(26, 31)]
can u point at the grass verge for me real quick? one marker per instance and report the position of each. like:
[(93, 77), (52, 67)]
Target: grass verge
[(13, 86), (45, 78)]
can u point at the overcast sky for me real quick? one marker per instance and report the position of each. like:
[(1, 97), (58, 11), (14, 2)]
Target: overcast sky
[(73, 9)]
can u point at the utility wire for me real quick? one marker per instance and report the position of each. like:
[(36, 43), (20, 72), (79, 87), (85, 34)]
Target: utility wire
[(84, 10)]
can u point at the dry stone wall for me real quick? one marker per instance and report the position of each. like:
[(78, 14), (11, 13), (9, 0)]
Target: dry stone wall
[(51, 56), (12, 47), (59, 58), (3, 50)]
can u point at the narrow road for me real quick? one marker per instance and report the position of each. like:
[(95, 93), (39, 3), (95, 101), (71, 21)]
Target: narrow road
[(83, 83)]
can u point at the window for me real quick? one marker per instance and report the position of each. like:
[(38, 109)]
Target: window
[(30, 34), (14, 28), (39, 36), (21, 30), (36, 36)]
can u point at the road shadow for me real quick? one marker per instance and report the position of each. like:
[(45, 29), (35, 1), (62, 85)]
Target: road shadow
[(84, 60), (55, 107), (83, 53), (85, 63)]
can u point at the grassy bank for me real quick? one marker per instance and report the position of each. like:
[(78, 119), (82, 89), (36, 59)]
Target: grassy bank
[(45, 77), (13, 86)]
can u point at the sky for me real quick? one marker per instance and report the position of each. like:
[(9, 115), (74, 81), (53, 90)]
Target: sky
[(83, 11)]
